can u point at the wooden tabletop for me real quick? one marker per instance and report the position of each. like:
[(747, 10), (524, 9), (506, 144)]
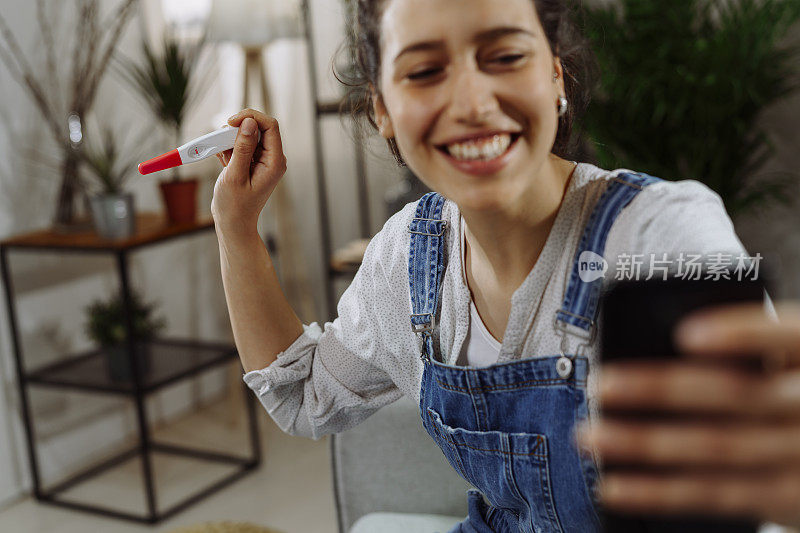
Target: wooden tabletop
[(150, 228)]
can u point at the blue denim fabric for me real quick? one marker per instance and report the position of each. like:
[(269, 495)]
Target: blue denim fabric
[(581, 298), (426, 265), (507, 428)]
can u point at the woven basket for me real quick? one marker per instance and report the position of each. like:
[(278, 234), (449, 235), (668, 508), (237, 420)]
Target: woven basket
[(224, 527)]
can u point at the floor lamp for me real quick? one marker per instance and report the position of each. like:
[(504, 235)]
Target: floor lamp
[(253, 24)]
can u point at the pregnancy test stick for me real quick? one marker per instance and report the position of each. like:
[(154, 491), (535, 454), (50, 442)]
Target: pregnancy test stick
[(195, 150)]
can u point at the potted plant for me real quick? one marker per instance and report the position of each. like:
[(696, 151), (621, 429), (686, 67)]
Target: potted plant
[(168, 83), (112, 208), (105, 325), (64, 102), (682, 89)]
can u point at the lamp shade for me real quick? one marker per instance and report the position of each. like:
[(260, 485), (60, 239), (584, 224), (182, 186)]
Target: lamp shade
[(185, 13), (253, 22)]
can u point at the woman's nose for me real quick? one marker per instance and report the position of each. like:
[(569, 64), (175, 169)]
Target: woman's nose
[(473, 99)]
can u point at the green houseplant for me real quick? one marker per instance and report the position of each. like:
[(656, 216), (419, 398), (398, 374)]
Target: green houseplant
[(168, 82), (682, 86), (112, 208), (64, 97), (105, 325)]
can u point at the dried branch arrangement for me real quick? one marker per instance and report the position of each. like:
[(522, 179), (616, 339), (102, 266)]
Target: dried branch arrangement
[(64, 102)]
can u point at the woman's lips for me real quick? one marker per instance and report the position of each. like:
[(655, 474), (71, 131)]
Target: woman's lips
[(481, 167)]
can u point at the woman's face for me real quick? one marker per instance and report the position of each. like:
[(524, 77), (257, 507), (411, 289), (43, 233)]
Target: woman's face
[(467, 90)]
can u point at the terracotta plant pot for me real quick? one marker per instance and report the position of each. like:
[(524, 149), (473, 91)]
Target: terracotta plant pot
[(180, 200)]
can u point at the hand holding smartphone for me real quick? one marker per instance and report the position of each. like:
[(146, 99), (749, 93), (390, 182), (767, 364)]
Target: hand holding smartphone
[(637, 322)]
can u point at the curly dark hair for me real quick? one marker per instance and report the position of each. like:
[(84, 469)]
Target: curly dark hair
[(558, 18)]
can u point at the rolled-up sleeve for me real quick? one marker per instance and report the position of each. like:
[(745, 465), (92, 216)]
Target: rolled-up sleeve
[(332, 378)]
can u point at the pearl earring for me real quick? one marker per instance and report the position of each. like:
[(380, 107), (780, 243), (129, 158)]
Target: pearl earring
[(562, 102), (562, 106)]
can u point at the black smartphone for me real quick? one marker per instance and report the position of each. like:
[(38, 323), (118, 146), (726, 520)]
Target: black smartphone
[(637, 321)]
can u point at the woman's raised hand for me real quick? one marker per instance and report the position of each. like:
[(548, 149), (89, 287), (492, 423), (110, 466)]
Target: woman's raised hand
[(251, 171)]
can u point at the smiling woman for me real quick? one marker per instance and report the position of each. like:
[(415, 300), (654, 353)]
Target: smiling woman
[(558, 29), (469, 300)]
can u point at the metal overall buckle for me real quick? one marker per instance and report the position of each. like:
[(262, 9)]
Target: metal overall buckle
[(424, 330), (421, 328), (565, 363)]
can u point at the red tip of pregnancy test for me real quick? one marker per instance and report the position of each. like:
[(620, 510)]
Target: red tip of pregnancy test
[(162, 162)]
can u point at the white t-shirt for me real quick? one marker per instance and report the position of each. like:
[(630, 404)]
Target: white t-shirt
[(480, 347), (333, 377)]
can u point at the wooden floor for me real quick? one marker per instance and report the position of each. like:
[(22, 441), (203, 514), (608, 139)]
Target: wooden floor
[(291, 491)]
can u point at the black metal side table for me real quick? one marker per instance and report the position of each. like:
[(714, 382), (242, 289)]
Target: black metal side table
[(169, 361)]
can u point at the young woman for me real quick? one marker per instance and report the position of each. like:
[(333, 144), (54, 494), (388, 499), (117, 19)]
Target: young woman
[(469, 302)]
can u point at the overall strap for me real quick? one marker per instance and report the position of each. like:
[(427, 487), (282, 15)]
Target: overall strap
[(582, 296), (425, 266)]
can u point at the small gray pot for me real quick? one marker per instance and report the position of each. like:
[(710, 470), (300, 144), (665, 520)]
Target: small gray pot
[(113, 215)]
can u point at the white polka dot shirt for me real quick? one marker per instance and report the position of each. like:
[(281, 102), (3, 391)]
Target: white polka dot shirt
[(333, 377)]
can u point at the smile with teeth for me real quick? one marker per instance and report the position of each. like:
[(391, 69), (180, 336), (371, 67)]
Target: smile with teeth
[(480, 149)]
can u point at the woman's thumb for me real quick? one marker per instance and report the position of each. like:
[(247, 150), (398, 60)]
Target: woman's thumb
[(243, 149)]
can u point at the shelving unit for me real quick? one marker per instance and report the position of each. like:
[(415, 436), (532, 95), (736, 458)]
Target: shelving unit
[(169, 361), (334, 269), (161, 363)]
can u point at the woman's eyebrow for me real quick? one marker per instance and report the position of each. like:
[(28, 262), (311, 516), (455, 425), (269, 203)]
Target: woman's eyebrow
[(487, 35), (417, 47), (501, 31)]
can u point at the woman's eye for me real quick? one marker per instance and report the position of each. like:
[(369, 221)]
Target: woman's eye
[(424, 73), (508, 59)]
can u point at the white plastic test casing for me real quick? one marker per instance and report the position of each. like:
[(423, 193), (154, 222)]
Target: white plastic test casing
[(210, 144)]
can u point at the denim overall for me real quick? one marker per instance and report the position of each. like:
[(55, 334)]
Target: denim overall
[(507, 428)]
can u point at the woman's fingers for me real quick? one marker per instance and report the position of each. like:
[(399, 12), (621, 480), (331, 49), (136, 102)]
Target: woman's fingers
[(269, 163), (679, 386), (771, 496), (694, 444), (262, 118), (224, 157), (243, 150), (699, 388), (741, 329), (252, 170), (271, 141), (736, 449)]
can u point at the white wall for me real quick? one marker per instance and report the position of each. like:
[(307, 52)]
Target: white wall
[(51, 290), (183, 276)]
